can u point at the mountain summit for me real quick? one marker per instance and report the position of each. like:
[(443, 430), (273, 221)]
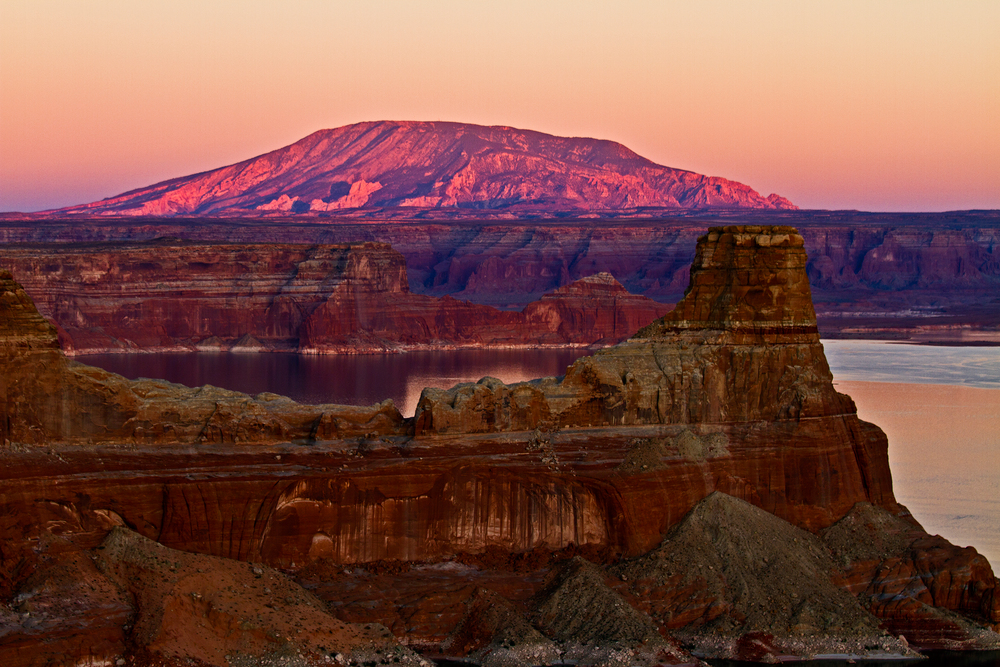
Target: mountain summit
[(435, 165)]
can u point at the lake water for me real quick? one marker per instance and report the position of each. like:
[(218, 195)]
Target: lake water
[(939, 406), (344, 379), (884, 361)]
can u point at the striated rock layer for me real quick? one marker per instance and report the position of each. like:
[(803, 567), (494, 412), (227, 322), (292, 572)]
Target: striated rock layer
[(350, 298), (735, 372), (872, 274), (401, 521)]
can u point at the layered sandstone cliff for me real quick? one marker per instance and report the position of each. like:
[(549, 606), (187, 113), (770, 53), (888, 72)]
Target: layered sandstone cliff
[(350, 298), (714, 436)]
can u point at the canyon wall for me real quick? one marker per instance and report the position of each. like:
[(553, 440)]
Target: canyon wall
[(868, 271), (168, 295)]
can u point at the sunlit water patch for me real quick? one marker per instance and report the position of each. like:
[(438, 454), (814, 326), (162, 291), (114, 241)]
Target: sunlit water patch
[(341, 379), (884, 361)]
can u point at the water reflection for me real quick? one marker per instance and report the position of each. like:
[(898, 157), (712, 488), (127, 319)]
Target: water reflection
[(343, 379), (944, 453)]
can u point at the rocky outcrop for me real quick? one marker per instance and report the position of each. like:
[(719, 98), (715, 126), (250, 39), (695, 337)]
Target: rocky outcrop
[(595, 310), (497, 487), (351, 298), (594, 624), (47, 398), (737, 364), (493, 632), (730, 572), (176, 295), (167, 607), (921, 586), (592, 305), (434, 165)]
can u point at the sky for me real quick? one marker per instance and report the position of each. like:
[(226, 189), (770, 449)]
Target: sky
[(872, 105)]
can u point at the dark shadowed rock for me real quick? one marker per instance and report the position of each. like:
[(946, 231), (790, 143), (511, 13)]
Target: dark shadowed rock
[(593, 624), (936, 594), (222, 612), (730, 570), (494, 633), (66, 610)]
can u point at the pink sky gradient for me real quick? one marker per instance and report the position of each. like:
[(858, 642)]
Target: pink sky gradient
[(871, 105)]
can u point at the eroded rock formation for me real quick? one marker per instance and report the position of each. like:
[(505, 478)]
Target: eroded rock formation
[(495, 490), (733, 370), (349, 298)]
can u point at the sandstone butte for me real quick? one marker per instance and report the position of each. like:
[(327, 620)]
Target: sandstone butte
[(431, 166), (698, 490), (343, 298)]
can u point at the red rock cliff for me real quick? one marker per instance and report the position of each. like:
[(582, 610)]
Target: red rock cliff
[(738, 362), (168, 295), (729, 393), (868, 271)]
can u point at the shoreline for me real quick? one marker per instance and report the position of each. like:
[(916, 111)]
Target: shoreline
[(988, 342)]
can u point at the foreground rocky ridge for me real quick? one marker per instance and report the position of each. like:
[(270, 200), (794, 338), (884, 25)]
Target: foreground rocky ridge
[(173, 295), (542, 520)]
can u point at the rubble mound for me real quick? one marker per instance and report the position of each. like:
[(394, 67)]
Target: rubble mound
[(494, 633), (730, 569), (594, 624), (221, 612)]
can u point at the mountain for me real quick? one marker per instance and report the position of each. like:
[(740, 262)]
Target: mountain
[(434, 165)]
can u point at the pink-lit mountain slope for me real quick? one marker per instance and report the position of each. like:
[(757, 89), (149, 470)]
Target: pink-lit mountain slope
[(435, 165)]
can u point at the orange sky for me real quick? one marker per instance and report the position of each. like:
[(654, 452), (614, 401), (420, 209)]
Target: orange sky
[(872, 105)]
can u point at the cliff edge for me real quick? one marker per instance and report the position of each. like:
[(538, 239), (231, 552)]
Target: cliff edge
[(170, 295)]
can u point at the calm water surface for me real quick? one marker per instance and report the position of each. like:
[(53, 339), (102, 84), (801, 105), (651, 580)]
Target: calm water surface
[(343, 379), (940, 406), (878, 361)]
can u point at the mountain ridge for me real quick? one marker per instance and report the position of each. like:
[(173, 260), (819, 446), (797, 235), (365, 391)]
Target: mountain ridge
[(434, 164)]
